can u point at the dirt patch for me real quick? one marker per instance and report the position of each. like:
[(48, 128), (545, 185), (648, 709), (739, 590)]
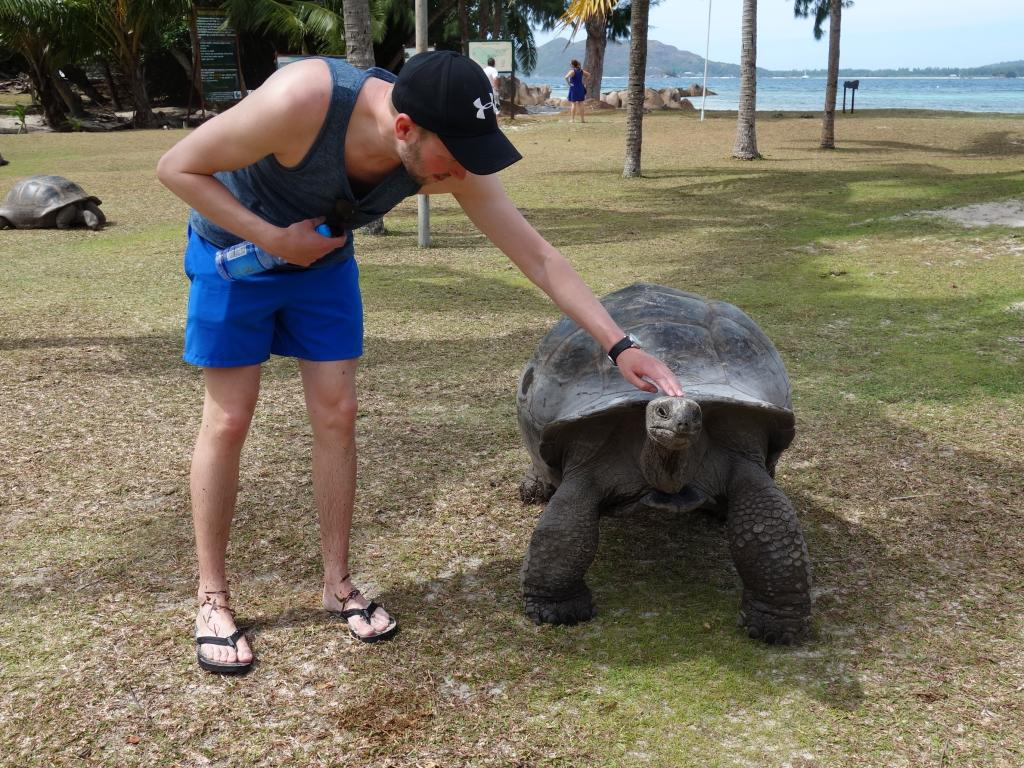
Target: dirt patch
[(1008, 213)]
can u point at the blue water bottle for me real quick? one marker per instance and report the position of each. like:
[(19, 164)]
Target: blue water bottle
[(237, 262)]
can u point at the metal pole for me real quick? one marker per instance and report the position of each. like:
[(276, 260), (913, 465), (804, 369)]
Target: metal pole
[(707, 49), (422, 201)]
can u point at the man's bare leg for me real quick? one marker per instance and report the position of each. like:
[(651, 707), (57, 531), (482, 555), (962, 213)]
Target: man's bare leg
[(228, 405), (330, 389)]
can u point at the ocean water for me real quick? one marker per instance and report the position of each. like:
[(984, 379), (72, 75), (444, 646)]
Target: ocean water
[(963, 94)]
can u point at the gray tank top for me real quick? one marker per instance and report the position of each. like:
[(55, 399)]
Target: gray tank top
[(318, 185)]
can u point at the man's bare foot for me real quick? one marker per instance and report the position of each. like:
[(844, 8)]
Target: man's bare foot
[(216, 618), (345, 597)]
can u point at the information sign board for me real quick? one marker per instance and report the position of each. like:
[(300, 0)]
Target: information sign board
[(499, 50), (218, 58)]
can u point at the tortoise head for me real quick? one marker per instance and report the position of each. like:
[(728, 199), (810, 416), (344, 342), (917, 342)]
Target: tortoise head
[(674, 422)]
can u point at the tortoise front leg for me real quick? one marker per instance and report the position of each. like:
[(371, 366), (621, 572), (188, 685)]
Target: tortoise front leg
[(561, 550), (92, 215), (771, 556)]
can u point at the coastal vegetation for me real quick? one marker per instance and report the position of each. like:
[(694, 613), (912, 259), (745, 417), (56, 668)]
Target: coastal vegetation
[(901, 333)]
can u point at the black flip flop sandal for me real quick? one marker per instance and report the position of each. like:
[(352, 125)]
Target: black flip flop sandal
[(366, 613), (222, 667)]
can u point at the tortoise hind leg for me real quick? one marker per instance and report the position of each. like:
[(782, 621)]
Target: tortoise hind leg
[(771, 556), (561, 550)]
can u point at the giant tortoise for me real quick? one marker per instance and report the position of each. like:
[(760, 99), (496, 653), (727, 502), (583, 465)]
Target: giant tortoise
[(598, 445), (49, 201)]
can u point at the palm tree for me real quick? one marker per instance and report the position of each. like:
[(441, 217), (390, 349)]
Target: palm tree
[(124, 28), (832, 10), (47, 35), (635, 102), (303, 27), (581, 10), (600, 29), (745, 147)]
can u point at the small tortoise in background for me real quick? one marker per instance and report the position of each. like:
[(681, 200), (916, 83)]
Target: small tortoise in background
[(600, 446), (40, 202)]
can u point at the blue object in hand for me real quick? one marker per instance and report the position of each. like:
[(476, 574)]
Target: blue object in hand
[(239, 261)]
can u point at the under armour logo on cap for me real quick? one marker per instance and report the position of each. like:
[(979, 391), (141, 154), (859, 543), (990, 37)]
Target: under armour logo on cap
[(480, 107), (448, 94)]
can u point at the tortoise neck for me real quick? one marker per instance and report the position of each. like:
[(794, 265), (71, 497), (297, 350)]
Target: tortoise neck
[(669, 469)]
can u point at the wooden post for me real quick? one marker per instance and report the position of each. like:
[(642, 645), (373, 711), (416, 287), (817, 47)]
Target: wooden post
[(853, 85), (422, 201)]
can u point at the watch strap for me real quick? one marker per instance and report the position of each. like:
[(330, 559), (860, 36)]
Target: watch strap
[(619, 347)]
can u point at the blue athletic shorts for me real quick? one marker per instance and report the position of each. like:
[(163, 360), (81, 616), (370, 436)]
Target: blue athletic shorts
[(314, 314)]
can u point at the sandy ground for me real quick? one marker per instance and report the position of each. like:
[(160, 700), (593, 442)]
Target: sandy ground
[(10, 124), (34, 122), (1008, 213)]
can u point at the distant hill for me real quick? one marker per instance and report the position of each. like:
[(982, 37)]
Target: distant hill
[(662, 60), (668, 61)]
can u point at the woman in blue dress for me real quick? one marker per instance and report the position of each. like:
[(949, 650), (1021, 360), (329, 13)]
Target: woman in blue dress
[(577, 92)]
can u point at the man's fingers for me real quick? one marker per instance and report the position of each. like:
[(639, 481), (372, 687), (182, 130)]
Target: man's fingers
[(638, 382), (636, 366)]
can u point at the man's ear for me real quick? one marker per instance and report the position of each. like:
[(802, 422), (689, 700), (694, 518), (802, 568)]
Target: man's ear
[(404, 127)]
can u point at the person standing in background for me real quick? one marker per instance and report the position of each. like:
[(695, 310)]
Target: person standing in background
[(577, 91), (492, 76)]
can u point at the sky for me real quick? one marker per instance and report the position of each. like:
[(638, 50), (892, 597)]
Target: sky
[(876, 34)]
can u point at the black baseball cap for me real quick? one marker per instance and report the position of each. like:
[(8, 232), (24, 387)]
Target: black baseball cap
[(449, 94)]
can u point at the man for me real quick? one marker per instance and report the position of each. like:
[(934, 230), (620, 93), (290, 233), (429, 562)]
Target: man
[(323, 140), (492, 76)]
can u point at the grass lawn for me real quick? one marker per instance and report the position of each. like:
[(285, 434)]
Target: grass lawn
[(903, 338)]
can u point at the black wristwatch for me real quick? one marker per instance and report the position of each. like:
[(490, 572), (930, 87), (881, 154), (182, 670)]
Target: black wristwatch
[(627, 341)]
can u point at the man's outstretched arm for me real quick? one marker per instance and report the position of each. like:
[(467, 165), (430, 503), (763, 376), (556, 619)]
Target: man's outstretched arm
[(484, 200)]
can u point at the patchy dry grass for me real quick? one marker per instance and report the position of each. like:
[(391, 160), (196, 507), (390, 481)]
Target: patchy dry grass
[(903, 338)]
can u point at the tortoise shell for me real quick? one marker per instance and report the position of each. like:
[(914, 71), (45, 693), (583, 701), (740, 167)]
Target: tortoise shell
[(32, 200), (721, 356)]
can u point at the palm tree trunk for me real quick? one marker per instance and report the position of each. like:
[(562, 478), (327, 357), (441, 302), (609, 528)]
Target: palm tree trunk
[(359, 51), (74, 104), (144, 115), (828, 121), (112, 86), (637, 70), (358, 34), (745, 147), (593, 61), (77, 76), (464, 27), (484, 17), (497, 20), (54, 110)]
